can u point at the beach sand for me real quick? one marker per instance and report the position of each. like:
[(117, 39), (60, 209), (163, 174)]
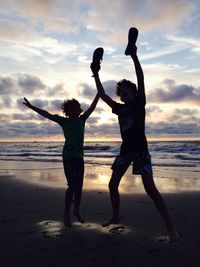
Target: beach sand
[(32, 231)]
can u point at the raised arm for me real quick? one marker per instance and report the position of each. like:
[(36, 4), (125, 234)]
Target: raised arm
[(42, 112), (140, 75), (92, 106), (95, 69)]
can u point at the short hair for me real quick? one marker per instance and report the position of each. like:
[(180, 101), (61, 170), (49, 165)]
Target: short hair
[(65, 106), (125, 83)]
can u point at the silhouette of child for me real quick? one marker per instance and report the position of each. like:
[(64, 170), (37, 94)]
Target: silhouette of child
[(134, 148), (73, 125)]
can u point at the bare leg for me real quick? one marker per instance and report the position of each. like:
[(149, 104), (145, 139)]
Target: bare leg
[(77, 201), (68, 199), (154, 194), (114, 197)]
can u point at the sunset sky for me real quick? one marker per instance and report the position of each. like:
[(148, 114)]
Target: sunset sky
[(46, 48)]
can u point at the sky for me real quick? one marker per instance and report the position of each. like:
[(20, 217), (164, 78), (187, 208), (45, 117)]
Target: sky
[(46, 49)]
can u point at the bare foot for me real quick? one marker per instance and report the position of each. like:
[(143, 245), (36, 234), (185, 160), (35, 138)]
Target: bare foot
[(78, 217), (113, 220), (174, 236), (67, 221)]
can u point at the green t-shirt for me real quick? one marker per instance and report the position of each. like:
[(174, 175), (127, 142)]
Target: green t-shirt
[(73, 130)]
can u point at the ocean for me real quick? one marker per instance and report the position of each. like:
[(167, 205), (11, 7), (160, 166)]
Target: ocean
[(166, 154), (176, 165)]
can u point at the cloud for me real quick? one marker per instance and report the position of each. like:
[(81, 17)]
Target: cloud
[(110, 88), (25, 85), (7, 84), (49, 39), (163, 51), (16, 129), (147, 15), (29, 130), (184, 115), (17, 86), (92, 121), (56, 16), (30, 83), (25, 117), (108, 130), (37, 8), (176, 121), (17, 31), (4, 118), (165, 13), (99, 109), (107, 20), (60, 25), (86, 90), (58, 89), (175, 93), (7, 101), (152, 112), (40, 103), (28, 125), (56, 104), (89, 92), (20, 84), (36, 102), (189, 42), (167, 128), (22, 41), (153, 109), (85, 106)]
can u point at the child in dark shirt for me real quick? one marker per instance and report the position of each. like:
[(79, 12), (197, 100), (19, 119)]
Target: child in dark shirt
[(134, 148)]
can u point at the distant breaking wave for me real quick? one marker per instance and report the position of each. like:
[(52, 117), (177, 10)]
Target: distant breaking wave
[(164, 153)]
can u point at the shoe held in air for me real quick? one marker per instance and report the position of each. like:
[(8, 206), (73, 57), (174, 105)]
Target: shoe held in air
[(132, 38), (97, 56)]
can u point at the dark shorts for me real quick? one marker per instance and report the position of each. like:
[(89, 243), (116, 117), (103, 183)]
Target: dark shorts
[(141, 163), (74, 170)]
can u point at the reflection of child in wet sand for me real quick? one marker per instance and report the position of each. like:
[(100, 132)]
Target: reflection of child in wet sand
[(73, 128), (134, 148)]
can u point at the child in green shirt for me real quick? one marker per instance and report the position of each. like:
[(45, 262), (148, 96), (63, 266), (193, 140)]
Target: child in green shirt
[(73, 125)]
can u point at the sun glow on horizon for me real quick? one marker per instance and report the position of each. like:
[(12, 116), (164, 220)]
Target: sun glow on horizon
[(101, 140)]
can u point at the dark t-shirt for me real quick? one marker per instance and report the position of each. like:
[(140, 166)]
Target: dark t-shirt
[(131, 118)]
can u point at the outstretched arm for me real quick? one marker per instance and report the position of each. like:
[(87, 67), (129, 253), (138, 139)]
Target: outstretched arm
[(42, 112), (93, 106), (95, 69), (140, 75)]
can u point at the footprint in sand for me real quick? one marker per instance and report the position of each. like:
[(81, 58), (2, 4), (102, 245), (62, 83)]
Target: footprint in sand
[(117, 229), (162, 239)]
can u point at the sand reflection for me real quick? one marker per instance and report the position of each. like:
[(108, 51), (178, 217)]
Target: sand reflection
[(133, 184), (51, 228), (165, 185), (97, 178), (119, 229)]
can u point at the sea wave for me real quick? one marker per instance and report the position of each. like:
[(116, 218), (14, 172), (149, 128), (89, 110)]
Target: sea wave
[(166, 154)]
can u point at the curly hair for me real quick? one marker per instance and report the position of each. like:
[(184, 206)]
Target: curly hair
[(125, 83), (67, 104)]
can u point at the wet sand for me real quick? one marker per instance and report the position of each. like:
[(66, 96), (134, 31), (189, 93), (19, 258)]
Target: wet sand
[(32, 231)]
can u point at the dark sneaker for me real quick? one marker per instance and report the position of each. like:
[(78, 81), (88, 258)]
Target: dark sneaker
[(132, 38), (97, 56)]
